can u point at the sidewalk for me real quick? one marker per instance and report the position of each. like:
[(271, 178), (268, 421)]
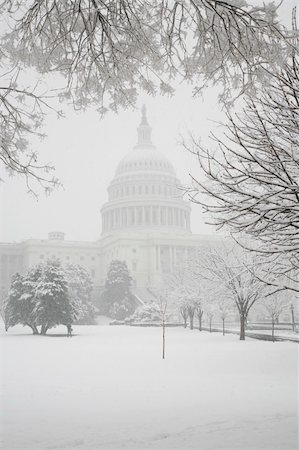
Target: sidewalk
[(280, 335)]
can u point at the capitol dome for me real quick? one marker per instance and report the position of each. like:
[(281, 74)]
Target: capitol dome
[(146, 160), (145, 192)]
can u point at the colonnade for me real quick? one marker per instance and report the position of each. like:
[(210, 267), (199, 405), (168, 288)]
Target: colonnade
[(145, 216), (167, 256)]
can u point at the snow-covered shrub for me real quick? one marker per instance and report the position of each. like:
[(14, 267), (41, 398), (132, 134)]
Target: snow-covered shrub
[(147, 313), (123, 309)]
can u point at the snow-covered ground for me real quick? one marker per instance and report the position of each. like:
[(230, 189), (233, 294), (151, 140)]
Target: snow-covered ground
[(108, 388)]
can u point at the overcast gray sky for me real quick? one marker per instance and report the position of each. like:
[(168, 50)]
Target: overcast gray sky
[(86, 149)]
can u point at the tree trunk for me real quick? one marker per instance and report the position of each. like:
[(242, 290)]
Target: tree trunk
[(293, 318), (223, 327), (163, 340), (242, 328), (44, 329), (200, 323), (33, 328), (185, 323), (273, 327), (191, 323)]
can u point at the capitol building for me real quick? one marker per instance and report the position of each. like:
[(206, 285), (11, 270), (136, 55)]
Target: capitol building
[(145, 222)]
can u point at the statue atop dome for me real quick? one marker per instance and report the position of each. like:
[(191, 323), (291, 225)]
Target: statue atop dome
[(144, 131), (144, 118)]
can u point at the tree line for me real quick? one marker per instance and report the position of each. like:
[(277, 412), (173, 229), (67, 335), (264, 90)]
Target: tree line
[(223, 281)]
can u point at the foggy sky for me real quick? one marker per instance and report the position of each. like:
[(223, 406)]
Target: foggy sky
[(86, 149)]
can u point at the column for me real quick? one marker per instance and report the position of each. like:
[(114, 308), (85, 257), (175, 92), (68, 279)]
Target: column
[(188, 222), (112, 219)]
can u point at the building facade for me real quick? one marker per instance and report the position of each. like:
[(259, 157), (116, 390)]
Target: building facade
[(145, 222)]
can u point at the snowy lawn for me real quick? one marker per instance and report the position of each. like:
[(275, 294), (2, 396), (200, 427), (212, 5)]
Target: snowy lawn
[(108, 388)]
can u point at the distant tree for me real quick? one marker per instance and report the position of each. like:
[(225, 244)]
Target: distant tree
[(274, 305), (210, 314), (184, 287), (117, 297), (199, 313), (224, 308), (184, 312), (229, 269), (52, 302), (80, 288), (191, 308)]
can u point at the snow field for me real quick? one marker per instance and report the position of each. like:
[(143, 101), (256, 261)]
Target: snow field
[(108, 388)]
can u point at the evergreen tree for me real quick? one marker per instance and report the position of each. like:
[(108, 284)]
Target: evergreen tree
[(80, 287), (118, 300), (52, 306), (20, 304)]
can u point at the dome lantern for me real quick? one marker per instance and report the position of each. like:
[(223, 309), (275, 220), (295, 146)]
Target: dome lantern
[(144, 131)]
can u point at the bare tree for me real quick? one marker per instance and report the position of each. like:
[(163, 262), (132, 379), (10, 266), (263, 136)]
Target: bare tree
[(184, 286), (224, 308), (163, 303), (184, 312), (229, 269), (274, 305), (210, 312), (191, 307), (199, 313), (252, 184), (162, 296)]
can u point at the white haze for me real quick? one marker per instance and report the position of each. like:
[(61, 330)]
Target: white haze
[(86, 149)]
